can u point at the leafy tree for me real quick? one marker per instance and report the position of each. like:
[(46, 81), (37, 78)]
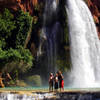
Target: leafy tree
[(13, 59), (6, 24), (14, 30), (23, 23)]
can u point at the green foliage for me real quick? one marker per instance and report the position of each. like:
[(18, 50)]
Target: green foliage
[(6, 24), (13, 54), (26, 55), (14, 31), (21, 83), (13, 59), (2, 55), (66, 38), (23, 23), (63, 65), (2, 43), (34, 80)]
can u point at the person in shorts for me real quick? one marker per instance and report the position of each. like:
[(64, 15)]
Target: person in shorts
[(56, 82), (51, 79), (61, 80)]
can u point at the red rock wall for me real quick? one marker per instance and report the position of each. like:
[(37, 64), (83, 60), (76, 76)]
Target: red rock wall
[(94, 6), (26, 5)]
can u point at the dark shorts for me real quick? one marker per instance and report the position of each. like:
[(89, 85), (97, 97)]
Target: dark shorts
[(60, 84)]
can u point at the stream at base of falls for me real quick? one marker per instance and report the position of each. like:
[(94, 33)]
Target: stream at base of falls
[(68, 95)]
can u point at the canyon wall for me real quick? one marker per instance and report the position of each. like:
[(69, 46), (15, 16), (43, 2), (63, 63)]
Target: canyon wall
[(25, 5), (28, 5), (94, 6)]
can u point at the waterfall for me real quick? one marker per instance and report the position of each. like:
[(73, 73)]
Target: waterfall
[(49, 34), (84, 45)]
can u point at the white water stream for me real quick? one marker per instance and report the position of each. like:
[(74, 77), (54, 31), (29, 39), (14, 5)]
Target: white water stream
[(84, 45)]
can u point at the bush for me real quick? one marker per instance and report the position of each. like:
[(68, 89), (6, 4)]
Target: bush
[(23, 23), (21, 83), (34, 80), (7, 24), (16, 59)]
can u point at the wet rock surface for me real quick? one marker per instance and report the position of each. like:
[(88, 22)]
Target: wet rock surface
[(79, 96), (51, 96)]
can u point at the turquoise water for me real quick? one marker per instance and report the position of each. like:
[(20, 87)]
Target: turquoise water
[(25, 88), (45, 88)]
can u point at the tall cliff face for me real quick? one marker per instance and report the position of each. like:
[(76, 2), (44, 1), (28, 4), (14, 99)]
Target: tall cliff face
[(25, 5), (94, 6), (28, 5)]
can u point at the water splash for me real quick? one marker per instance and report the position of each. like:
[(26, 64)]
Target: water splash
[(84, 44), (34, 96)]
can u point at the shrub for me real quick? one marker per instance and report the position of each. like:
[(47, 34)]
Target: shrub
[(34, 80), (7, 24), (23, 23), (20, 59)]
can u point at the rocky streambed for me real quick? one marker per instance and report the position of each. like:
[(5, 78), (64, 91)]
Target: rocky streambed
[(80, 94)]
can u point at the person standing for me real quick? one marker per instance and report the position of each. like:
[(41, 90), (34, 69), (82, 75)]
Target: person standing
[(61, 81), (51, 78), (56, 82)]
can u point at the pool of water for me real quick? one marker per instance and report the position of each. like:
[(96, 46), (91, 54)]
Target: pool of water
[(45, 88)]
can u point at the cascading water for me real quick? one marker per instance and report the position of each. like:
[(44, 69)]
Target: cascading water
[(52, 96), (49, 32), (84, 45), (32, 96)]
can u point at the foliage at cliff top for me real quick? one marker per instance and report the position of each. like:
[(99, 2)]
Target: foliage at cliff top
[(13, 33), (23, 23)]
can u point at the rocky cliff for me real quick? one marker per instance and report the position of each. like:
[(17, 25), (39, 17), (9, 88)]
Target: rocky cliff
[(94, 6), (25, 5), (28, 5)]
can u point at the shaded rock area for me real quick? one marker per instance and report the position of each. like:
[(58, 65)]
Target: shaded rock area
[(79, 96)]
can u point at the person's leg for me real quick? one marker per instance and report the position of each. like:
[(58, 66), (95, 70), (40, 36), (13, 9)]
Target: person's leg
[(60, 85), (52, 87), (49, 87)]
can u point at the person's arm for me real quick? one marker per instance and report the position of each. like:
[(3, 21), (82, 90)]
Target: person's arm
[(49, 79), (62, 76)]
